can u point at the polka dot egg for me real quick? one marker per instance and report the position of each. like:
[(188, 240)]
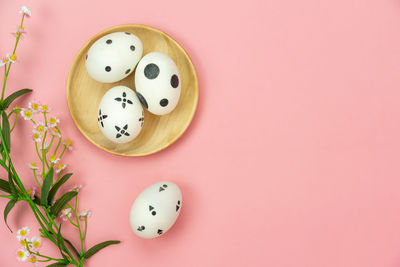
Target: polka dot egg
[(113, 57), (157, 83), (120, 114)]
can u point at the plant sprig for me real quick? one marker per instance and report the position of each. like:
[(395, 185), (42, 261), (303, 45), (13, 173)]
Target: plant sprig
[(50, 212)]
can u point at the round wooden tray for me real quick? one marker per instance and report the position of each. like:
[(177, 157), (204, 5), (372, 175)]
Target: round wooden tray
[(84, 95)]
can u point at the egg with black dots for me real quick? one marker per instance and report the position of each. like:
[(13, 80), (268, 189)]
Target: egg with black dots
[(113, 57), (158, 83), (120, 115), (156, 209)]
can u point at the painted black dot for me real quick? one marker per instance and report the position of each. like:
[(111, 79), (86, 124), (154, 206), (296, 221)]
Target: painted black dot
[(142, 100), (174, 81), (153, 213), (108, 68), (141, 228), (179, 202), (128, 33), (151, 71), (109, 41), (165, 186), (164, 102), (86, 56), (127, 71), (159, 231), (132, 47)]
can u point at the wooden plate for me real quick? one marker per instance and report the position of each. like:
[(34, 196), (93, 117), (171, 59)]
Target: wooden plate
[(84, 95)]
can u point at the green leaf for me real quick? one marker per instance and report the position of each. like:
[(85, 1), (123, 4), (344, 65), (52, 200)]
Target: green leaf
[(5, 186), (7, 210), (93, 250), (48, 180), (73, 248), (13, 96), (57, 186), (57, 264), (61, 202), (6, 130)]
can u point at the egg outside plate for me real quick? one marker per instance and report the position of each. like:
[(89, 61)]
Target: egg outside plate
[(84, 95)]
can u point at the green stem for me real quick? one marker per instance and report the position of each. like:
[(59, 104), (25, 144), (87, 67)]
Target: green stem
[(10, 197), (84, 235), (44, 160), (58, 145), (15, 122), (37, 151), (37, 180), (9, 65)]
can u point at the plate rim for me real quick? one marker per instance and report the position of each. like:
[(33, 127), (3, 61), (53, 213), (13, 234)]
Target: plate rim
[(69, 81)]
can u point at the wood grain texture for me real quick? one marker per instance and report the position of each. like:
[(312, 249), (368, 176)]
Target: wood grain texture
[(84, 95)]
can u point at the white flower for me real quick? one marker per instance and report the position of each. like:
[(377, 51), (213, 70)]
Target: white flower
[(54, 121), (26, 114), (25, 10), (31, 192), (76, 187), (23, 233), (85, 214), (33, 259), (33, 166), (45, 108), (55, 132), (40, 128), (4, 61), (20, 31), (24, 242), (65, 214), (61, 167), (67, 144), (36, 137), (54, 159), (22, 254), (34, 105), (11, 57), (36, 243)]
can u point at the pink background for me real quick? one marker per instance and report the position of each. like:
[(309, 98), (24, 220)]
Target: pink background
[(292, 158)]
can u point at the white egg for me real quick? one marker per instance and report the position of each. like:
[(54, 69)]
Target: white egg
[(120, 115), (158, 83), (156, 209), (113, 57)]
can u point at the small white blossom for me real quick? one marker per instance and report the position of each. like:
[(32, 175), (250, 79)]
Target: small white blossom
[(54, 159), (25, 10), (61, 167), (54, 121), (26, 114), (85, 214), (22, 254), (36, 243), (33, 166), (34, 105), (65, 214), (23, 233), (76, 187)]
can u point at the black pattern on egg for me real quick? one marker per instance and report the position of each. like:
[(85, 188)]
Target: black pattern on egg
[(156, 209), (120, 115), (157, 81), (113, 57)]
